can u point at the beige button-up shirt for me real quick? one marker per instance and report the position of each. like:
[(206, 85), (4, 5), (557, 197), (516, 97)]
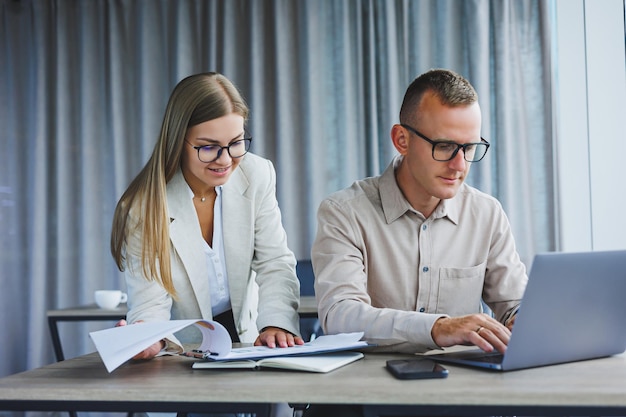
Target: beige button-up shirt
[(382, 268)]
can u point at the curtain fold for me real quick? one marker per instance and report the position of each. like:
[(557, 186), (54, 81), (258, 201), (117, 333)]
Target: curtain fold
[(84, 85)]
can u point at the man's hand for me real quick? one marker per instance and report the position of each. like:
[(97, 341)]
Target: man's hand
[(148, 353), (275, 336), (480, 330)]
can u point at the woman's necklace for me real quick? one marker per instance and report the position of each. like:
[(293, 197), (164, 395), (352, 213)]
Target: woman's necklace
[(201, 198)]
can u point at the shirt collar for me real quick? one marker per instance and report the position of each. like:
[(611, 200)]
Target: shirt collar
[(449, 208), (393, 202), (395, 205)]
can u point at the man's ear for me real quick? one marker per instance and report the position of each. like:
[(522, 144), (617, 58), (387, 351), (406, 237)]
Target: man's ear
[(400, 139)]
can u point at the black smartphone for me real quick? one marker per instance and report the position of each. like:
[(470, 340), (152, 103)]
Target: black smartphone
[(417, 368)]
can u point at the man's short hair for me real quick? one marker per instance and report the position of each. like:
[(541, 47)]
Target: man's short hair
[(451, 88)]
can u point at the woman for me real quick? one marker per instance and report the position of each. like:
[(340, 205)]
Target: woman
[(198, 232)]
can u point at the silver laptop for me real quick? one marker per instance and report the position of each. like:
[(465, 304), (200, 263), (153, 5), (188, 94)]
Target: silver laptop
[(573, 309)]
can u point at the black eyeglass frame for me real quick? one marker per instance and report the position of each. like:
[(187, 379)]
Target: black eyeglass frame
[(449, 142), (247, 142)]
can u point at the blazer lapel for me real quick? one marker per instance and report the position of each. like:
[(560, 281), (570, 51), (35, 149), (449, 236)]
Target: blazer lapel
[(187, 240), (237, 212)]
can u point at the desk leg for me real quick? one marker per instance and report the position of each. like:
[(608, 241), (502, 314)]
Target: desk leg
[(56, 340), (58, 350)]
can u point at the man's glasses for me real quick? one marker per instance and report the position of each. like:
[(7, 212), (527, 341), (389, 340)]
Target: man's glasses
[(445, 150), (210, 153)]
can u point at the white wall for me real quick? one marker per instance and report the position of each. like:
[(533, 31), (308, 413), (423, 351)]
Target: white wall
[(590, 88)]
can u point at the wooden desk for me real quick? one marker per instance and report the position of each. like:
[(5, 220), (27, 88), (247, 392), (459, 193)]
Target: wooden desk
[(308, 309), (169, 384)]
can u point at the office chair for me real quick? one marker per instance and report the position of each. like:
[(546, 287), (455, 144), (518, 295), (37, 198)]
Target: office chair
[(310, 328)]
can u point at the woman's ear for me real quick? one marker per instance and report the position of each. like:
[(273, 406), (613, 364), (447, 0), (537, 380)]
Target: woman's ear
[(400, 139)]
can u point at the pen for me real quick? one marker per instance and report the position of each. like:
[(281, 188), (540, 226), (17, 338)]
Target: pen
[(199, 354)]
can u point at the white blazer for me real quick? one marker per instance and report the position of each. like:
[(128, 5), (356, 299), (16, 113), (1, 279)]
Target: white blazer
[(264, 288)]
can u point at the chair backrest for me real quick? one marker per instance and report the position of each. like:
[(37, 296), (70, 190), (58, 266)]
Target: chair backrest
[(309, 327), (304, 270)]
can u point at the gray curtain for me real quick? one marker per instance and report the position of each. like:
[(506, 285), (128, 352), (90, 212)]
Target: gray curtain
[(83, 86)]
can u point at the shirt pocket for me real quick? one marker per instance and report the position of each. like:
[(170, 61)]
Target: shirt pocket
[(460, 290)]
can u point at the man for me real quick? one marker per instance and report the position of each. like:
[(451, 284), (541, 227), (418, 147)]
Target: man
[(407, 256)]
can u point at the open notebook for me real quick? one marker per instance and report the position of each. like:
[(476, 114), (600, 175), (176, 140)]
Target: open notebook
[(573, 309), (321, 363)]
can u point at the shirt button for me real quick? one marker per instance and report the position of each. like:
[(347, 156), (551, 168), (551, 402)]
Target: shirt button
[(422, 310), (425, 269), (424, 227)]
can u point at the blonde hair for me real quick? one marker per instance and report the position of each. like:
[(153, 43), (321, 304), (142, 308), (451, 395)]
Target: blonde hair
[(196, 99)]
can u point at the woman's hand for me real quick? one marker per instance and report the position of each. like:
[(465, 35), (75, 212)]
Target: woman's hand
[(275, 336), (148, 353)]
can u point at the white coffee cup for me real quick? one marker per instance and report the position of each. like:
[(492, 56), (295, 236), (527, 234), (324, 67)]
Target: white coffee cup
[(110, 299)]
